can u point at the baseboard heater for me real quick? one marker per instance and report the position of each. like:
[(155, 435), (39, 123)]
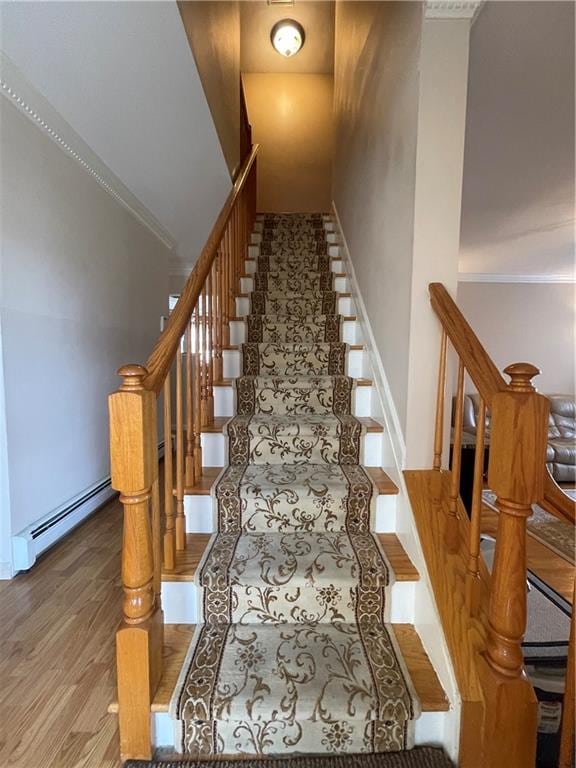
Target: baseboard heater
[(42, 534)]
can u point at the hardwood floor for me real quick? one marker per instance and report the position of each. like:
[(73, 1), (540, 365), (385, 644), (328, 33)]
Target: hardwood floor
[(57, 677)]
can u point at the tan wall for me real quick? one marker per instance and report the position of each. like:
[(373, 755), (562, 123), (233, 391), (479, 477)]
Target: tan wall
[(524, 322), (291, 117), (213, 30), (376, 105)]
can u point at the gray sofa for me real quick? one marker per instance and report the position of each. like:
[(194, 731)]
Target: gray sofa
[(561, 450)]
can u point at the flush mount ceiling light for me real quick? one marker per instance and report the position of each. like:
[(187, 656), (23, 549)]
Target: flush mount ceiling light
[(287, 37)]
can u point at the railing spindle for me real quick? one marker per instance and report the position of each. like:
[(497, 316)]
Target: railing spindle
[(189, 478), (218, 360), (451, 532), (440, 397), (197, 404), (209, 349), (169, 531), (473, 573), (180, 458)]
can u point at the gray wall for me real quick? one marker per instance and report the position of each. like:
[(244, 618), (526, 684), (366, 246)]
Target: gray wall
[(518, 197), (83, 286), (523, 322), (376, 103)]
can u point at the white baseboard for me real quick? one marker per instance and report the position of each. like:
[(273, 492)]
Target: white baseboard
[(382, 385), (6, 571)]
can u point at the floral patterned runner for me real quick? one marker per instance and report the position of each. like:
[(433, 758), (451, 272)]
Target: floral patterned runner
[(294, 653)]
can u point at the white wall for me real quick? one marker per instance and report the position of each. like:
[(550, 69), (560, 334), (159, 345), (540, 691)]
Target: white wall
[(524, 322), (83, 284), (376, 105), (518, 197), (123, 76)]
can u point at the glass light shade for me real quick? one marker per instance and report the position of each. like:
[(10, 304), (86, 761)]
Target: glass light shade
[(287, 37)]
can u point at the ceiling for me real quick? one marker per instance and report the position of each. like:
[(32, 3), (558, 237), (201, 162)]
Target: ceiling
[(518, 190), (257, 54), (122, 75)]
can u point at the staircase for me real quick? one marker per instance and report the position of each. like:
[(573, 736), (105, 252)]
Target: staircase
[(295, 591), (270, 603)]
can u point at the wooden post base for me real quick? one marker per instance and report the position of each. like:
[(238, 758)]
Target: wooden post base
[(139, 669), (510, 720)]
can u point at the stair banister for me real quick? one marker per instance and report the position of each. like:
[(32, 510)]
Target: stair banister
[(185, 354), (518, 475)]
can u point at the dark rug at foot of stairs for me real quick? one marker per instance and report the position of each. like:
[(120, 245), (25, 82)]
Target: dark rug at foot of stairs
[(424, 757)]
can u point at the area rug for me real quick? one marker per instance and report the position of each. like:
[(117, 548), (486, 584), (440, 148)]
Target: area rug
[(548, 615), (422, 757), (547, 529), (294, 654)]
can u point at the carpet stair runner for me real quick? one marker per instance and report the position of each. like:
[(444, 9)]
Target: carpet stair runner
[(293, 654)]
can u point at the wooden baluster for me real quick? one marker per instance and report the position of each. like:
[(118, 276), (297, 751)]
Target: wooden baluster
[(139, 639), (451, 531), (567, 745), (189, 477), (440, 397), (169, 524), (180, 457), (473, 573), (203, 358), (225, 289), (209, 317), (197, 400), (231, 258), (218, 366), (519, 429)]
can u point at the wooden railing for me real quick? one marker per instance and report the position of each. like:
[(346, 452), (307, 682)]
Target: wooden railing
[(518, 476), (182, 368)]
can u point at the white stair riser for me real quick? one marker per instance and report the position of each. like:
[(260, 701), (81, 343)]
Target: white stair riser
[(356, 363), (350, 332), (340, 284), (215, 452), (344, 306), (199, 511), (180, 602), (429, 728), (224, 401)]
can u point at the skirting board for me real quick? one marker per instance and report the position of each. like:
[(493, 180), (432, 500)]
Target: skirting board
[(389, 412)]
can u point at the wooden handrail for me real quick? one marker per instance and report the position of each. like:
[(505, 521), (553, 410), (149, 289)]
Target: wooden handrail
[(488, 380), (477, 361), (162, 356), (556, 501)]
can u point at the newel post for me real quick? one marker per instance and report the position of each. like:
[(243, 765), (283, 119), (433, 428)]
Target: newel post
[(516, 474), (139, 638)]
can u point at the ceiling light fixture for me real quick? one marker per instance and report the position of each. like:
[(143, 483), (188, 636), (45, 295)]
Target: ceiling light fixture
[(287, 37)]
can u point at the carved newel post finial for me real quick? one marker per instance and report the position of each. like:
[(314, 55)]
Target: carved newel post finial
[(133, 376), (521, 375)]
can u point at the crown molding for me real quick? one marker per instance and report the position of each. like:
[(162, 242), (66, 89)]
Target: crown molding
[(487, 277), (452, 9), (31, 103)]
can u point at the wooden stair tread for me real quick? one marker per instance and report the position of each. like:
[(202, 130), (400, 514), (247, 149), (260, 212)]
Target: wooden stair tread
[(404, 569), (177, 638), (385, 486), (219, 424), (187, 560)]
